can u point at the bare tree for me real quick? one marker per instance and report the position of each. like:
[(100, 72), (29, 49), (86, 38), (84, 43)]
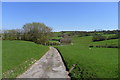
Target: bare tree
[(66, 39)]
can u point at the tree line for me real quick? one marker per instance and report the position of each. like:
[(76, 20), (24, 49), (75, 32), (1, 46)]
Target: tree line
[(36, 32), (90, 33), (40, 33)]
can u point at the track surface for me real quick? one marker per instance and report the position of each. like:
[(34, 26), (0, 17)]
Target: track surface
[(49, 66)]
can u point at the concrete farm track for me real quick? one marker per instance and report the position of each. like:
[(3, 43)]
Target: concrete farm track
[(49, 66)]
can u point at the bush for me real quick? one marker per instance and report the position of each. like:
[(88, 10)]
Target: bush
[(91, 46), (66, 40), (52, 43), (55, 39)]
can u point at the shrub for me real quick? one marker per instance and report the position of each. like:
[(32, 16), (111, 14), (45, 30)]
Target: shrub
[(52, 43), (91, 46), (66, 40), (55, 39)]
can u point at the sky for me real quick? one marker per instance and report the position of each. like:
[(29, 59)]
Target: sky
[(61, 16), (60, 0)]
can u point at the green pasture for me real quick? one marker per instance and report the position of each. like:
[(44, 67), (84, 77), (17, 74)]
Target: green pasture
[(90, 62), (106, 42), (56, 34), (56, 37), (53, 41), (18, 56)]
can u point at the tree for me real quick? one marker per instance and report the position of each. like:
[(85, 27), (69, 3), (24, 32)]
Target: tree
[(14, 34), (66, 39), (37, 32)]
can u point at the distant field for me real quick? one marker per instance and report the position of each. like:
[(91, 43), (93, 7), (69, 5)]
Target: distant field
[(107, 35), (19, 55), (106, 42), (56, 34), (91, 62), (53, 41), (56, 37)]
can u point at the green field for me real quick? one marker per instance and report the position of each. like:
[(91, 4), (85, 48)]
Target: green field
[(56, 34), (106, 42), (94, 62), (56, 37), (107, 35), (91, 62), (19, 55), (53, 41)]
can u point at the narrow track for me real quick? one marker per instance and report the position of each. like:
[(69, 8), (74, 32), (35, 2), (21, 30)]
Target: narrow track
[(49, 66)]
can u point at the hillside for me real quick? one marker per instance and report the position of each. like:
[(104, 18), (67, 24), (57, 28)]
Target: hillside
[(90, 62), (19, 55)]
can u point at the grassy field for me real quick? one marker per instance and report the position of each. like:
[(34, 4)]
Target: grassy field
[(106, 42), (56, 37), (53, 41), (94, 62), (91, 62), (107, 35), (56, 34), (19, 55)]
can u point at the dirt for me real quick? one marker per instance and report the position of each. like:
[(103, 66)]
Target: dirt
[(49, 66)]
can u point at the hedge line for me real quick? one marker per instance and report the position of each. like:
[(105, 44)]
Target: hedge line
[(105, 46)]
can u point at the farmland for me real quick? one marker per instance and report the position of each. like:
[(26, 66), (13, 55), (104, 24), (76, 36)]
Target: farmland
[(106, 42), (52, 39), (19, 55), (90, 62)]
